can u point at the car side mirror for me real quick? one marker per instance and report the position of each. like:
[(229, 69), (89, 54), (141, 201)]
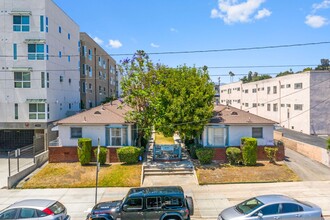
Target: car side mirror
[(260, 215), (125, 207)]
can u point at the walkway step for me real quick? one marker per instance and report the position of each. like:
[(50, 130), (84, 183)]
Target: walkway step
[(146, 173), (167, 169)]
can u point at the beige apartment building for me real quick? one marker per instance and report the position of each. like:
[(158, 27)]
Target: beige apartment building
[(97, 73), (299, 101)]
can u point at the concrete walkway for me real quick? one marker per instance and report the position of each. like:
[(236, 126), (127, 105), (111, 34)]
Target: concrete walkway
[(209, 200), (4, 173), (305, 168)]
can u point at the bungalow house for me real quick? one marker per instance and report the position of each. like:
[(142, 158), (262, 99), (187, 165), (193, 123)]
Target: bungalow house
[(105, 123), (228, 125)]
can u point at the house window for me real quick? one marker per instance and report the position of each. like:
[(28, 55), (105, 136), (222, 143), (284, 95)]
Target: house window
[(16, 110), (15, 51), (117, 136), (21, 23), (37, 111), (298, 107), (76, 132), (216, 136), (257, 132), (36, 51), (298, 86), (274, 89), (275, 107), (22, 80)]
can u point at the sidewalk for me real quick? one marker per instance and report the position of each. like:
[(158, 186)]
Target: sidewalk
[(209, 200)]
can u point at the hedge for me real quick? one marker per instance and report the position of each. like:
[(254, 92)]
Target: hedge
[(249, 151), (129, 155), (84, 150), (205, 155), (234, 155), (102, 155), (271, 153)]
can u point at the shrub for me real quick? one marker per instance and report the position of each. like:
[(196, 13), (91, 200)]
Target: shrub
[(249, 151), (84, 150), (102, 155), (328, 144), (205, 155), (192, 149), (271, 153), (234, 155), (129, 155)]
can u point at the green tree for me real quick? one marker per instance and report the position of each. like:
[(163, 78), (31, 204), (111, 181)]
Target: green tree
[(325, 63), (285, 73), (251, 77), (184, 96), (139, 78)]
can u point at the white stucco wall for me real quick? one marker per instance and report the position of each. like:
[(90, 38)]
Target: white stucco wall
[(91, 131)]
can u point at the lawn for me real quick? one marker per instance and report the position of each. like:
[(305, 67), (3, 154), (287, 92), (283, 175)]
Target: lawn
[(263, 172), (161, 139), (73, 175)]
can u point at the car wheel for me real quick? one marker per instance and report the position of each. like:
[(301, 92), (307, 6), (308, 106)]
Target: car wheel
[(172, 218), (190, 204)]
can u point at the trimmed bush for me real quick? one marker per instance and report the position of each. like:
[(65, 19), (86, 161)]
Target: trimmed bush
[(205, 155), (192, 149), (271, 153), (234, 155), (102, 155), (129, 155), (84, 150), (249, 151)]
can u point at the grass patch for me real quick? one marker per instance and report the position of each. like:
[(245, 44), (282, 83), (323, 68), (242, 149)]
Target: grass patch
[(73, 175), (161, 139), (263, 172)]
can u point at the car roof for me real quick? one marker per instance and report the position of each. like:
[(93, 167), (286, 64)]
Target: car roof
[(266, 199), (155, 191), (36, 203)]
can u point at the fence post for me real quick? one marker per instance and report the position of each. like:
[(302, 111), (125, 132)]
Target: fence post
[(18, 151), (9, 163)]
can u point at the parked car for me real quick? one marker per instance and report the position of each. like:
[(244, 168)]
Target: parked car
[(42, 209), (272, 207), (161, 203)]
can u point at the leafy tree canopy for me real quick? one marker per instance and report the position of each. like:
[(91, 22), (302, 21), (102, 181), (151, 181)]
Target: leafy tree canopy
[(285, 73), (252, 77)]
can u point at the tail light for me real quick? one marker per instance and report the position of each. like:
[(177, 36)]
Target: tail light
[(48, 211)]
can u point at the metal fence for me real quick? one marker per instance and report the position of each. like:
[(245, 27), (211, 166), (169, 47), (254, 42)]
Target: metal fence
[(20, 159)]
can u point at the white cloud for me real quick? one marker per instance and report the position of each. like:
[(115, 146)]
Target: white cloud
[(262, 13), (173, 30), (323, 5), (115, 44), (315, 21), (154, 45), (98, 40), (232, 11)]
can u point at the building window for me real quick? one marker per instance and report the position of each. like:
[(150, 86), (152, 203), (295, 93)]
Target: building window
[(282, 105), (59, 29), (298, 107), (268, 107), (15, 51), (268, 90), (37, 111), (43, 80), (47, 51), (275, 107), (84, 67), (288, 105), (36, 51), (21, 23), (84, 87), (216, 137), (254, 90), (60, 54), (90, 87), (254, 105), (42, 25), (22, 80), (257, 132), (246, 91), (69, 58), (76, 132), (90, 54), (90, 69), (246, 104), (16, 111), (274, 89), (288, 85), (47, 24), (69, 36), (117, 136), (282, 86), (298, 86)]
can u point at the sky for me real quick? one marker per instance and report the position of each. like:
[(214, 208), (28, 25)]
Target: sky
[(157, 26)]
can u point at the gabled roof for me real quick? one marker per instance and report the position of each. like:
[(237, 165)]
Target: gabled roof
[(223, 114), (109, 113)]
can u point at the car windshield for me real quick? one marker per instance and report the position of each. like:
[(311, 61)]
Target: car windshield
[(248, 206)]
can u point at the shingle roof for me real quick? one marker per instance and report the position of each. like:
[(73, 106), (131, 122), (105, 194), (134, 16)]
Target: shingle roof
[(230, 115), (109, 113)]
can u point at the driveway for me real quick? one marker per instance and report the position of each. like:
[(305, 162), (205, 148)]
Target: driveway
[(3, 171), (305, 138), (305, 168)]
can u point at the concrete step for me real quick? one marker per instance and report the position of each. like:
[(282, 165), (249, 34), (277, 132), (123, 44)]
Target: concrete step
[(168, 169), (184, 172)]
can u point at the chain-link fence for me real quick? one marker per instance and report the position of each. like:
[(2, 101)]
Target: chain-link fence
[(20, 159)]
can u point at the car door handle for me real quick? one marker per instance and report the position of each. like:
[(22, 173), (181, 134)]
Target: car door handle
[(276, 217), (298, 215)]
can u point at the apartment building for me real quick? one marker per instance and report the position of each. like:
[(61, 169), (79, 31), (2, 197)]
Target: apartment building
[(39, 65), (97, 73), (299, 101)]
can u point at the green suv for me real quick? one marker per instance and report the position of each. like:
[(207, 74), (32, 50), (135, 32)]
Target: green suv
[(152, 203)]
